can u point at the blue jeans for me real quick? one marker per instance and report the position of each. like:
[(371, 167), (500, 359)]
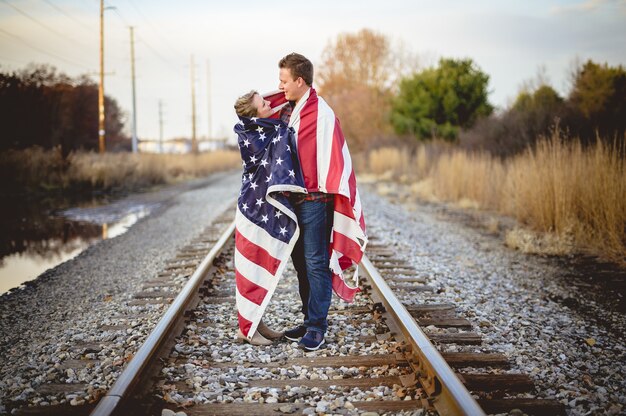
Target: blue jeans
[(310, 258)]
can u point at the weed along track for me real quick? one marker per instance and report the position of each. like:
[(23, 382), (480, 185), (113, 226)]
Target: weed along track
[(382, 355)]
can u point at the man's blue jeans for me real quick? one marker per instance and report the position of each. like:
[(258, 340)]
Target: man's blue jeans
[(310, 258)]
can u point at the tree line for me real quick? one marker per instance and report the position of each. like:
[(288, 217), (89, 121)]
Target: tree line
[(381, 95), (42, 107), (378, 90)]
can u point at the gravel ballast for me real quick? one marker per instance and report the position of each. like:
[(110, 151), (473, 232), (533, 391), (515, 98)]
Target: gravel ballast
[(43, 323), (508, 296), (505, 294)]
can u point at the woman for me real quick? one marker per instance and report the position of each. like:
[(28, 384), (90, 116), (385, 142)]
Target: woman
[(266, 226)]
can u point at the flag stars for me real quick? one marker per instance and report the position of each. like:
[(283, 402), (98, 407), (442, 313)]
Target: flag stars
[(253, 159), (276, 127), (278, 214), (246, 143), (265, 219), (268, 178), (254, 119), (283, 230), (292, 174), (260, 129), (262, 137), (244, 207), (276, 139), (260, 202), (279, 161), (253, 185), (264, 162), (289, 148)]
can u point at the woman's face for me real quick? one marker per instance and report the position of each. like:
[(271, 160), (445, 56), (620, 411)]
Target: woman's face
[(262, 107)]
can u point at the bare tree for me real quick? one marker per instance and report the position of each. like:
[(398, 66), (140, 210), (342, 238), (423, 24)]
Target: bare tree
[(357, 76)]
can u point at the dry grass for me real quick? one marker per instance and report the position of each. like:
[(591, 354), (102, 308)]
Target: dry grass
[(135, 170), (568, 197), (36, 168)]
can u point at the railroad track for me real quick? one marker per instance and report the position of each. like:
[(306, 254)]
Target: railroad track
[(381, 357)]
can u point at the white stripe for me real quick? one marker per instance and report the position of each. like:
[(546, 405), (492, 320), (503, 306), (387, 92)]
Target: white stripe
[(344, 184), (325, 130), (294, 119), (258, 235), (357, 209), (252, 271), (348, 227)]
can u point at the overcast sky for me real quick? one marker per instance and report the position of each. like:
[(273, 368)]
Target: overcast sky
[(244, 40)]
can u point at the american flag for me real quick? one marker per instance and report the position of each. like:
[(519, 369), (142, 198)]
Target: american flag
[(266, 225), (327, 167)]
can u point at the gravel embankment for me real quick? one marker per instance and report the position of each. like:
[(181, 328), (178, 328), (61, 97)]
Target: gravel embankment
[(507, 296), (42, 323)]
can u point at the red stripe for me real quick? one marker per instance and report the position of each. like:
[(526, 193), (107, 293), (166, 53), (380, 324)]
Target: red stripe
[(256, 254), (352, 187), (342, 290), (275, 99), (335, 169), (345, 262), (343, 206), (249, 290), (307, 142), (244, 324), (347, 247)]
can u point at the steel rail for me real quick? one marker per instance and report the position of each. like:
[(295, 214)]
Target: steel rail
[(132, 374), (450, 397)]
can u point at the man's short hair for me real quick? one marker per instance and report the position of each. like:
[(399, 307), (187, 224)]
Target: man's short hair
[(299, 67), (244, 106)]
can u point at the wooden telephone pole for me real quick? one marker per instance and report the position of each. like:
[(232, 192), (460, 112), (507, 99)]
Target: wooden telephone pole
[(132, 71), (101, 115), (194, 141)]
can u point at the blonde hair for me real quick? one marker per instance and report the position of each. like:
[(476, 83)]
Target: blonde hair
[(244, 106)]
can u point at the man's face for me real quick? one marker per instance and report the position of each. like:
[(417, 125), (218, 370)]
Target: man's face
[(294, 89)]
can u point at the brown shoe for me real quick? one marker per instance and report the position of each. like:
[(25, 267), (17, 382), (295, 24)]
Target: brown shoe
[(268, 332), (257, 339)]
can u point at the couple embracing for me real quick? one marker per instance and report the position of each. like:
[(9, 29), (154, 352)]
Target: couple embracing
[(298, 199)]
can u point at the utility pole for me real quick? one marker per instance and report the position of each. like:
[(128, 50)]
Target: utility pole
[(101, 116), (194, 142), (160, 126), (208, 83), (132, 72)]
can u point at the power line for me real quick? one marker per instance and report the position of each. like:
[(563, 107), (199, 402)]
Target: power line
[(117, 12), (45, 26), (57, 8), (158, 55), (142, 40), (68, 61), (163, 41)]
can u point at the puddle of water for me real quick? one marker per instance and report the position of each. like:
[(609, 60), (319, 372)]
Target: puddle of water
[(32, 241)]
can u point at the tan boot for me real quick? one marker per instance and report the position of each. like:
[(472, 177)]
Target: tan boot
[(267, 332), (257, 339)]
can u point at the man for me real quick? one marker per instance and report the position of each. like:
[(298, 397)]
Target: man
[(321, 252)]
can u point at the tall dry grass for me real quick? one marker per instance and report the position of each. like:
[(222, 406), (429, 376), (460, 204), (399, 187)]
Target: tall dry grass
[(39, 169), (558, 188)]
